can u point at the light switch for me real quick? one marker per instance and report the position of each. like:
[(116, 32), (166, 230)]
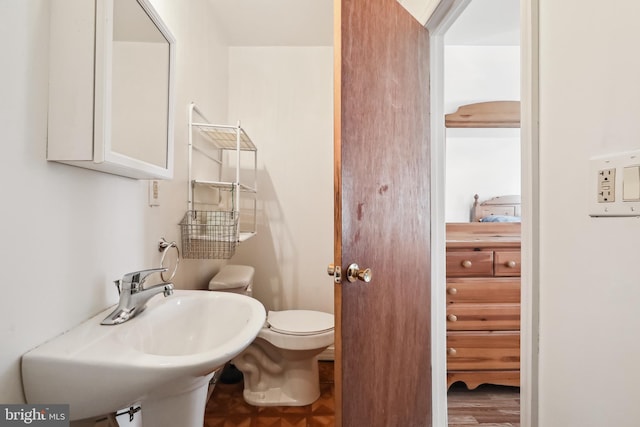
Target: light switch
[(631, 184), (154, 193)]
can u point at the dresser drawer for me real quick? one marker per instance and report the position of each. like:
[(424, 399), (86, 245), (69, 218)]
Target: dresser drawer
[(483, 290), (483, 350), (506, 263), (469, 263), (483, 317)]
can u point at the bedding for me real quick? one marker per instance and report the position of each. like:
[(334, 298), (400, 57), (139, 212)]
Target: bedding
[(500, 218)]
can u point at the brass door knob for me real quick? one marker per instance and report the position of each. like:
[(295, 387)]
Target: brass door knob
[(355, 273)]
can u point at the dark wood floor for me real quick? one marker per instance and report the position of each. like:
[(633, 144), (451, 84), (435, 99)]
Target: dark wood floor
[(487, 406)]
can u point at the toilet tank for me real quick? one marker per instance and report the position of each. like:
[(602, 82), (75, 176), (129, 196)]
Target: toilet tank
[(233, 278)]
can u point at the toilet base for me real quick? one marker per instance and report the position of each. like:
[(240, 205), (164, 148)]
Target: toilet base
[(277, 377), (277, 397)]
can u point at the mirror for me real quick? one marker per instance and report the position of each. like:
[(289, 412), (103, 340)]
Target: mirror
[(111, 101), (140, 65)]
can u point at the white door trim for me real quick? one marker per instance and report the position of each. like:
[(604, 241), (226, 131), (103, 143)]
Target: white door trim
[(529, 100), (438, 24), (441, 20)]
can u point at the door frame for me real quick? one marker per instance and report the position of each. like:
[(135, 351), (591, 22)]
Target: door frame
[(439, 22)]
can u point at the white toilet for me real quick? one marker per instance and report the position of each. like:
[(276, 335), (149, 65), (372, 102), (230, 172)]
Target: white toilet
[(280, 367)]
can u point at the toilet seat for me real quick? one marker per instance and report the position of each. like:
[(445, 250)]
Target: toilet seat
[(300, 322)]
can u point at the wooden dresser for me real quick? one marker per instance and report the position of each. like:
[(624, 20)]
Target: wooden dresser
[(483, 303)]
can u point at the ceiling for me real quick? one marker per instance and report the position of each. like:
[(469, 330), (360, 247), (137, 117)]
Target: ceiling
[(310, 23), (487, 22)]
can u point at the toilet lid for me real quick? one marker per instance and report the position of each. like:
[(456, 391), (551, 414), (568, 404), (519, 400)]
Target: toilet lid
[(300, 322)]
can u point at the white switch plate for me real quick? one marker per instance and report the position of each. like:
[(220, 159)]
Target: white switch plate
[(154, 193), (611, 166)]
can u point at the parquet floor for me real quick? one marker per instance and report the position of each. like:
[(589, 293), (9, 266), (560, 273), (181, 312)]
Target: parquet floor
[(227, 408), (487, 406)]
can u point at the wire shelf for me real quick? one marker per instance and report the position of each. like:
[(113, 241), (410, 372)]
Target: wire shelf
[(209, 234), (226, 137)]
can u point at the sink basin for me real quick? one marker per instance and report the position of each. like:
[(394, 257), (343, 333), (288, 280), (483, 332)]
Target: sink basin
[(163, 358)]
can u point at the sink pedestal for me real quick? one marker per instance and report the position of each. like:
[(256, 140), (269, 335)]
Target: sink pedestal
[(185, 409)]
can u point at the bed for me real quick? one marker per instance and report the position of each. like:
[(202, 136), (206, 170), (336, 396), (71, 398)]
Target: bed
[(496, 209)]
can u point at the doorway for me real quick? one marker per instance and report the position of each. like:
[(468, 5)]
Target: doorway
[(442, 20), (482, 184)]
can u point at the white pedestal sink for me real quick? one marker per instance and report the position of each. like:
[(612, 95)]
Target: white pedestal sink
[(163, 358)]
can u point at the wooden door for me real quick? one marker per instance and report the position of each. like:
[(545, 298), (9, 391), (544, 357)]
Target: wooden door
[(382, 216)]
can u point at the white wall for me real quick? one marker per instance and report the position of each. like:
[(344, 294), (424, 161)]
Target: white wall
[(284, 97), (66, 232), (480, 161), (589, 283), (485, 162), (480, 73)]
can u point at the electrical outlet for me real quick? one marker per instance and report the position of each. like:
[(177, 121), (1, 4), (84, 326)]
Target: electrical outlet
[(614, 185), (607, 185), (154, 193)]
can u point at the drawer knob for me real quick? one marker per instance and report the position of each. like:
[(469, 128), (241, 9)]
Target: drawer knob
[(511, 264), (451, 351), (452, 291), (452, 317), (466, 263)]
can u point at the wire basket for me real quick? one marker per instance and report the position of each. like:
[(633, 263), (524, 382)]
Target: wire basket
[(209, 234)]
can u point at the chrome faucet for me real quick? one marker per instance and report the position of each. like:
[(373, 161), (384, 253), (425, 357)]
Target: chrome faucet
[(133, 295)]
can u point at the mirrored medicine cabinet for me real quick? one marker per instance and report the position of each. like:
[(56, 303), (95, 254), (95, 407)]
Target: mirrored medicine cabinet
[(111, 88)]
